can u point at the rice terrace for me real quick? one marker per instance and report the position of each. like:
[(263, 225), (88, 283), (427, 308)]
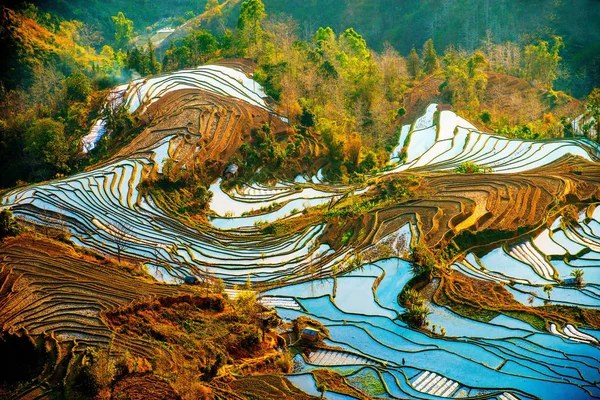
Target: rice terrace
[(231, 199)]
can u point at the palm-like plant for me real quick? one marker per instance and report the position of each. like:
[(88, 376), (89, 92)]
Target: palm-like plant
[(412, 298), (417, 315), (548, 289), (578, 275)]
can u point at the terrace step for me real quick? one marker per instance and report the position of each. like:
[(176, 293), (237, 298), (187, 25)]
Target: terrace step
[(507, 396), (334, 357), (434, 384), (285, 302)]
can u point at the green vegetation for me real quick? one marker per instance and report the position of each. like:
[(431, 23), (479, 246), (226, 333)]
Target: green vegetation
[(578, 273), (369, 382), (501, 28), (424, 260), (8, 226), (352, 210), (430, 58), (143, 60), (193, 50), (50, 93), (548, 289), (592, 110), (123, 29), (541, 62), (465, 80), (414, 64), (469, 167), (417, 311)]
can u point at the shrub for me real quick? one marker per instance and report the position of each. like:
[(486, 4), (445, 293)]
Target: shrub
[(424, 261), (469, 167), (401, 112), (284, 363), (346, 237), (8, 226), (417, 316), (411, 298), (485, 116)]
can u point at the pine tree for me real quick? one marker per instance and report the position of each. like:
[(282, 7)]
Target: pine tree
[(153, 64), (430, 58), (414, 64)]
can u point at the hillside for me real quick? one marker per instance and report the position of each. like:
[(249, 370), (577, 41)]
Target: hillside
[(462, 23), (465, 24), (251, 207), (511, 101)]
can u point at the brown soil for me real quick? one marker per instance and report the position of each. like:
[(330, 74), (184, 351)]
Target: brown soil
[(444, 205), (143, 387), (208, 129), (469, 297)]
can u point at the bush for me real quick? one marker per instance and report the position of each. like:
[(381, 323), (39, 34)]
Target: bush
[(346, 237), (250, 340), (424, 261), (401, 112), (469, 167), (8, 226), (485, 116)]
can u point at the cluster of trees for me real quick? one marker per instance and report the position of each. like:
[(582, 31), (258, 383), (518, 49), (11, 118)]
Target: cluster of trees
[(333, 85), (8, 226), (143, 60), (50, 95), (465, 23), (469, 167), (193, 50), (416, 310)]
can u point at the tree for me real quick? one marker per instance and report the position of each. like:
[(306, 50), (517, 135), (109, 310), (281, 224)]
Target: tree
[(252, 13), (212, 10), (430, 58), (417, 315), (578, 275), (8, 226), (123, 29), (542, 63), (353, 43), (46, 144), (246, 306), (202, 45), (414, 64), (118, 118), (153, 64), (368, 163), (121, 235), (411, 298), (423, 259), (219, 286), (592, 110), (322, 388), (465, 80), (548, 289), (78, 87)]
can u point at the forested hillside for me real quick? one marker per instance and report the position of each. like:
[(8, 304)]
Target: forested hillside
[(404, 24), (349, 86), (238, 199), (466, 23)]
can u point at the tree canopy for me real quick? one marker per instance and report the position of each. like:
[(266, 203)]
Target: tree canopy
[(123, 29)]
